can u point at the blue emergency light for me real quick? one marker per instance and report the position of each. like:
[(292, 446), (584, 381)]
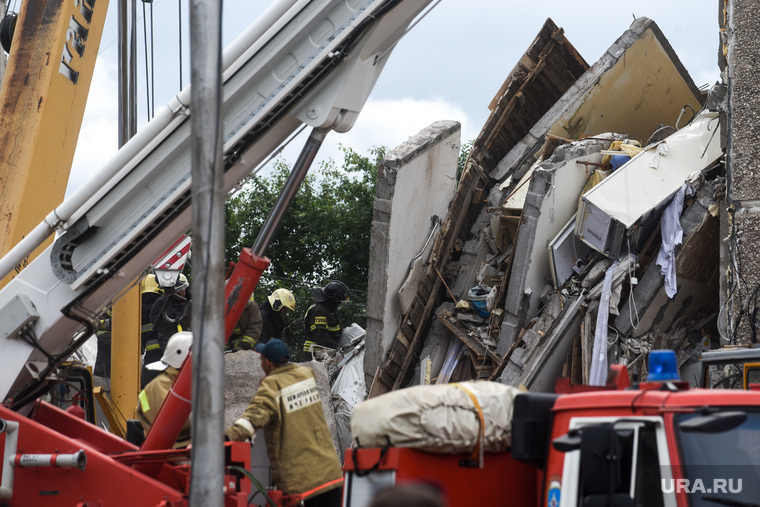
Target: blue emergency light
[(662, 366)]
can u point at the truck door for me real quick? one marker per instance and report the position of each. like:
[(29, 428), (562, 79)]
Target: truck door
[(618, 462)]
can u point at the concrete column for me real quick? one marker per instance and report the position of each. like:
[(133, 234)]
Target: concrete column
[(740, 59)]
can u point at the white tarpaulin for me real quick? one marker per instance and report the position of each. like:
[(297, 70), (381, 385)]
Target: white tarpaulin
[(438, 418)]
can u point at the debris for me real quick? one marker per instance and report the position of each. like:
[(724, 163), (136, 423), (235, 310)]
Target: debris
[(573, 197)]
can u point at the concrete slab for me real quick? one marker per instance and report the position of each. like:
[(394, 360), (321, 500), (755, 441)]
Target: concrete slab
[(636, 86), (416, 182)]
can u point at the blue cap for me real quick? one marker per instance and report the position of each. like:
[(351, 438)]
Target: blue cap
[(275, 350)]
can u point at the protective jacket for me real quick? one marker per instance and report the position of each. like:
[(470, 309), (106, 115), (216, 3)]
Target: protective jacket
[(147, 333), (248, 329), (170, 314), (152, 397), (103, 358), (301, 452), (323, 325), (272, 324)]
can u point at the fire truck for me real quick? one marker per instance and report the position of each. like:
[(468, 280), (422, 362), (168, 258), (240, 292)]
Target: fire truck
[(303, 62), (655, 443)]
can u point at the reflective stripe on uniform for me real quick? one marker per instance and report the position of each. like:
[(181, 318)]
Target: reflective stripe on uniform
[(146, 328), (153, 346), (248, 339), (246, 425), (144, 405), (310, 346), (322, 322)]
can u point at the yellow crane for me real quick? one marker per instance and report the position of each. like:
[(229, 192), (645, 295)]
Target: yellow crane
[(51, 60)]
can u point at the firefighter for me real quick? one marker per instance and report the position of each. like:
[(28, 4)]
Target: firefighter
[(322, 323), (247, 330), (278, 303), (170, 314), (167, 368), (288, 406), (103, 357), (149, 293)]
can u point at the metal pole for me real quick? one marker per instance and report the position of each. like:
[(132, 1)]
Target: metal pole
[(288, 193), (207, 479), (132, 102), (123, 75)]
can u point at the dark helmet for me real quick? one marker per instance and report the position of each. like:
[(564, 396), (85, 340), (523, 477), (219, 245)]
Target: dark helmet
[(336, 291)]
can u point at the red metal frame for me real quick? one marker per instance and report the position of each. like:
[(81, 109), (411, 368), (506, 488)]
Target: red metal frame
[(104, 481), (500, 479)]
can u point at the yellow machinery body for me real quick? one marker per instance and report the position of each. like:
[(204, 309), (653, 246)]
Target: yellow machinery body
[(42, 102)]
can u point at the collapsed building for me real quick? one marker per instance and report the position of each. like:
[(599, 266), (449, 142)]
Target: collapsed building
[(583, 231)]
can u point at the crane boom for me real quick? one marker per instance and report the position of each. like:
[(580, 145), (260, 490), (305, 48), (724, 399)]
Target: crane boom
[(302, 62)]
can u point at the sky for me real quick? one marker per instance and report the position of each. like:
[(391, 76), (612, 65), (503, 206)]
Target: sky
[(448, 67)]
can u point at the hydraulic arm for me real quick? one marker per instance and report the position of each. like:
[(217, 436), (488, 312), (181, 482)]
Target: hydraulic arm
[(311, 62)]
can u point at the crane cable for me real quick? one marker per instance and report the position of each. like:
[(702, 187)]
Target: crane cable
[(150, 93), (179, 20)]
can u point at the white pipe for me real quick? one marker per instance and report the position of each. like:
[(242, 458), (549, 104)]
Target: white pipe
[(163, 118), (10, 428), (75, 460)]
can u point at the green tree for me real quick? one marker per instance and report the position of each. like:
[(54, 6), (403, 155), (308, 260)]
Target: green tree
[(324, 236)]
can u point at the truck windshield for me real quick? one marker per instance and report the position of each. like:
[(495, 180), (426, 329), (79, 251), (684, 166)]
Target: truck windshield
[(720, 467)]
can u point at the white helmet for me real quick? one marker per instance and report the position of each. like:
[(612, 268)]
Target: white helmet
[(176, 351)]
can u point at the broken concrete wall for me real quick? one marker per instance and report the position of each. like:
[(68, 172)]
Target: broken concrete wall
[(615, 79), (415, 184), (552, 199), (638, 86), (622, 92)]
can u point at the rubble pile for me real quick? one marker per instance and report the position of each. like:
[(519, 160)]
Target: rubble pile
[(584, 231), (558, 337)]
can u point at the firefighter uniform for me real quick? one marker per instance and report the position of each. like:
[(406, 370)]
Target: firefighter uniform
[(103, 358), (248, 329), (152, 397), (323, 325), (301, 452), (149, 294), (271, 322), (170, 314)]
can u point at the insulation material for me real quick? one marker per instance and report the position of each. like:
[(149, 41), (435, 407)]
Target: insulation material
[(598, 375), (438, 418), (349, 384), (453, 356)]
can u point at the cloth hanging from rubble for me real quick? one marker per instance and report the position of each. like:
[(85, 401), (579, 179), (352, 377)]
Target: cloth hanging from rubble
[(598, 376), (672, 236)]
